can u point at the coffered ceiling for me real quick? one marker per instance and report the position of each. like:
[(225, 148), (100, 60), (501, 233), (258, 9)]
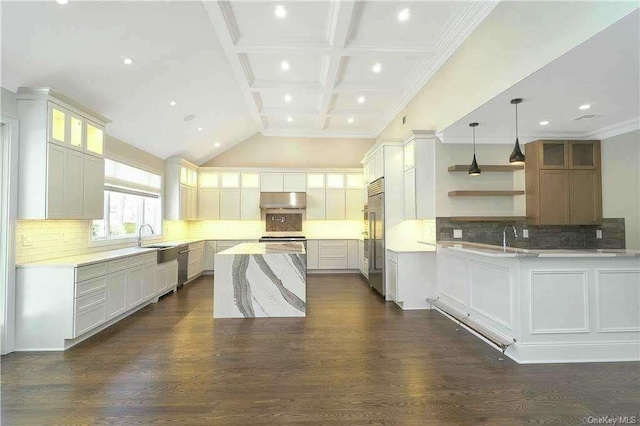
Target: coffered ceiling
[(339, 68)]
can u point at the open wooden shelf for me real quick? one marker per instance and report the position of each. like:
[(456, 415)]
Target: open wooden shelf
[(486, 218), (485, 193), (488, 168)]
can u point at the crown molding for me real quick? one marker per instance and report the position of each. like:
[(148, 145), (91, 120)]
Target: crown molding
[(615, 129)]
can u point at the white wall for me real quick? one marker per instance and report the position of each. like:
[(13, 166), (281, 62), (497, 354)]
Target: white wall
[(514, 41), (8, 102), (265, 151), (621, 183)]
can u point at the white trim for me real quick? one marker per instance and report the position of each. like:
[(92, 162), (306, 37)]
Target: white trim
[(599, 328), (509, 324), (9, 180), (615, 129)]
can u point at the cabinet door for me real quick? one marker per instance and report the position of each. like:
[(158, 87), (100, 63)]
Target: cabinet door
[(315, 180), (184, 202), (410, 194), (230, 180), (134, 286), (315, 204), (366, 172), (93, 190), (272, 182), (335, 180), (409, 155), (208, 204), (116, 294), (312, 254), (193, 204), (379, 160), (230, 204), (251, 180), (354, 181), (295, 182), (94, 138), (584, 155), (352, 254), (172, 275), (392, 280), (335, 204), (161, 279), (56, 159), (149, 281), (554, 155), (585, 197), (209, 255), (58, 124), (354, 204), (250, 204), (73, 186), (554, 197)]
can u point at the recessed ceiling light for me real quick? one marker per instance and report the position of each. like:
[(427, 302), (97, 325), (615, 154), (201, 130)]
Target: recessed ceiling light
[(377, 67), (287, 98), (173, 103), (216, 144), (361, 99), (200, 129), (280, 11), (284, 65), (403, 15), (127, 61), (544, 123), (585, 106), (289, 119), (350, 120), (62, 1)]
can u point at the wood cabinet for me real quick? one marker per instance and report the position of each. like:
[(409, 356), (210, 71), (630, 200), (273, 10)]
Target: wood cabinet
[(563, 182), (61, 165)]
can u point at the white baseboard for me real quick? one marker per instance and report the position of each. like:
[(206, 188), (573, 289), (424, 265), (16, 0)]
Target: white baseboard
[(332, 271)]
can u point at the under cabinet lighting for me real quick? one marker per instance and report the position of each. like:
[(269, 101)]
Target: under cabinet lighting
[(403, 15), (377, 67), (280, 11), (284, 66)]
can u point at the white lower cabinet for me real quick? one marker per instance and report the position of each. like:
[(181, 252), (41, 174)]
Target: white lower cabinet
[(209, 255), (195, 263), (116, 299), (352, 254), (166, 277), (332, 255), (363, 261), (312, 254), (149, 281), (134, 293), (411, 278)]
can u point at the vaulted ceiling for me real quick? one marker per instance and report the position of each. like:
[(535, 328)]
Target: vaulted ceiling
[(351, 65)]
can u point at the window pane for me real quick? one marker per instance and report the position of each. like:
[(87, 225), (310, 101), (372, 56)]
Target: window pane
[(152, 214), (124, 212), (123, 172), (98, 230)]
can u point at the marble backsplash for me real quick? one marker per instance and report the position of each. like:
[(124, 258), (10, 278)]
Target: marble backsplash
[(540, 237)]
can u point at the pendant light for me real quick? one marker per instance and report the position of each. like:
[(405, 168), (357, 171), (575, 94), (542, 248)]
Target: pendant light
[(474, 170), (516, 157)]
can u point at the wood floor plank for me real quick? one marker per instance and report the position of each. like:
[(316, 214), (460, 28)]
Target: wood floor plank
[(353, 360)]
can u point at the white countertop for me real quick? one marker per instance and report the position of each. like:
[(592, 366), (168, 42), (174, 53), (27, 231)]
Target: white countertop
[(87, 259), (498, 251), (264, 248)]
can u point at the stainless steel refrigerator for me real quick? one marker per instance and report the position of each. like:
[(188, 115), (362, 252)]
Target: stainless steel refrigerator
[(375, 246)]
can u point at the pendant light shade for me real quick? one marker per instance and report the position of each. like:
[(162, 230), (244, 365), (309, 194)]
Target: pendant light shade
[(474, 169), (516, 157)]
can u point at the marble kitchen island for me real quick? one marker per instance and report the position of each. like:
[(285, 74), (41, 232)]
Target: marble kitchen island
[(258, 280)]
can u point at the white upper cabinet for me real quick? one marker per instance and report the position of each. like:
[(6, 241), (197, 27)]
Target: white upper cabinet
[(419, 176), (250, 204), (335, 180), (230, 204), (58, 124), (251, 180), (73, 185), (315, 180), (208, 203), (354, 199), (355, 181), (272, 182), (295, 182), (315, 204), (409, 155), (56, 160), (378, 160), (230, 179), (93, 198), (208, 180), (181, 190), (335, 204)]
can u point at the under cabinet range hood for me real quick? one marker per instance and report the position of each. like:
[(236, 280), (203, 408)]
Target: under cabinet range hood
[(283, 200)]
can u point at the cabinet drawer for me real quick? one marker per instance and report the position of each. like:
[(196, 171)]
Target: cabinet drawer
[(118, 265), (89, 286), (151, 257), (91, 299), (392, 256), (333, 263), (89, 318), (196, 246), (136, 260), (332, 252), (88, 272), (332, 243)]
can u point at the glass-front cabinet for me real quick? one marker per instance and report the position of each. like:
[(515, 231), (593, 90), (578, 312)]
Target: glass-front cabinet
[(554, 155), (58, 124), (95, 139), (74, 131), (584, 154)]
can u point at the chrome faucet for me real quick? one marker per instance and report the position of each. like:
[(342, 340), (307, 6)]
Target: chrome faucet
[(504, 236), (140, 233)]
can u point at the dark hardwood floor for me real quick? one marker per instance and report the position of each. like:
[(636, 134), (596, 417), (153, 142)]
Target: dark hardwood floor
[(353, 360)]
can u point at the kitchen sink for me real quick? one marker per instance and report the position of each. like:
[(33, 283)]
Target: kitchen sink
[(167, 253), (160, 246)]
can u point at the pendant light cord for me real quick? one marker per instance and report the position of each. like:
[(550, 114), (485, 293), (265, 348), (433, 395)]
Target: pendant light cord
[(517, 122), (474, 141)]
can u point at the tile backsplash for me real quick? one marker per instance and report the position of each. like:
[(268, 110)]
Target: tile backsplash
[(540, 237), (283, 222)]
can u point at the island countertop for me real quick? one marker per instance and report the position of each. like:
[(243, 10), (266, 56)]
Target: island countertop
[(498, 251), (265, 248)]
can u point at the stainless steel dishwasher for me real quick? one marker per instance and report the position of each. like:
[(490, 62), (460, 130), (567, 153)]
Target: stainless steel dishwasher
[(183, 262)]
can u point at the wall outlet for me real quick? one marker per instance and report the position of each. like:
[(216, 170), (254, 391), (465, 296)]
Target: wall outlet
[(26, 241), (457, 233), (525, 233), (599, 234)]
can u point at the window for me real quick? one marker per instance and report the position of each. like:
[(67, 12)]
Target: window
[(131, 199)]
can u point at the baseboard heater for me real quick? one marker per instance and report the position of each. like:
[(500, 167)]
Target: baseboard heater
[(499, 340)]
